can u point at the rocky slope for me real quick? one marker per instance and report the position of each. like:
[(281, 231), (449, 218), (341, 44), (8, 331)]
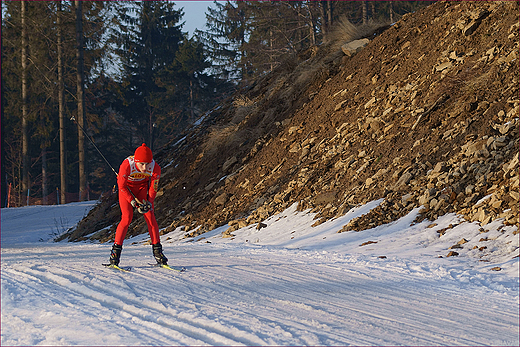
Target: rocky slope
[(425, 114)]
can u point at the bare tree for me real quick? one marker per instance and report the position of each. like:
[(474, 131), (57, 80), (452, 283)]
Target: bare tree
[(61, 108), (80, 86), (312, 23), (25, 138), (365, 12)]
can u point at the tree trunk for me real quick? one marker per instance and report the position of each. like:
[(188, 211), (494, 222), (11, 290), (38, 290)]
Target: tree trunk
[(81, 101), (324, 29), (45, 190), (312, 33), (150, 127), (61, 111), (329, 13), (326, 14), (271, 66), (192, 113), (25, 138), (365, 11)]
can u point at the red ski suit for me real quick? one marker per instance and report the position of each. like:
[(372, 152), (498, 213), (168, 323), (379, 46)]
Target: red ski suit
[(144, 186)]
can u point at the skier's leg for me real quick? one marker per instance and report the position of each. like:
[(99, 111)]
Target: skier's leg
[(127, 212), (149, 217), (153, 230), (153, 227)]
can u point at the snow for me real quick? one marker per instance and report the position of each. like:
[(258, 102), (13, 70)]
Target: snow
[(285, 284)]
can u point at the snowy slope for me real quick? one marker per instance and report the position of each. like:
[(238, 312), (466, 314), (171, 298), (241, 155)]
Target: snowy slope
[(287, 284)]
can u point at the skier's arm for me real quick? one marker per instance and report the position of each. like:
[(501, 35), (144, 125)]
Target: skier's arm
[(154, 183), (122, 180)]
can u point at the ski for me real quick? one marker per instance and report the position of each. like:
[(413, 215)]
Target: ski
[(165, 266), (129, 268), (115, 267)]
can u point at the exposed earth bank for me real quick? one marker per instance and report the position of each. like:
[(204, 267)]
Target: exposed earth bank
[(425, 114)]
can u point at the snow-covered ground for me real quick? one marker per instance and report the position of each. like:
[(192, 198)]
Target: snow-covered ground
[(287, 284)]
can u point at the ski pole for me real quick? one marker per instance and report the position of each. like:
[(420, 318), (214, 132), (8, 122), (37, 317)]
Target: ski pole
[(92, 142), (113, 170)]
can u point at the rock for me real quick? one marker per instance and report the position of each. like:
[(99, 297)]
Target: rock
[(403, 180), (293, 130), (325, 198), (374, 124), (210, 186), (471, 148), (513, 164), (463, 241), (424, 199), (452, 254), (227, 234), (354, 47), (340, 105), (222, 199), (456, 57), (477, 16), (440, 167), (370, 103), (229, 163), (443, 66), (261, 225)]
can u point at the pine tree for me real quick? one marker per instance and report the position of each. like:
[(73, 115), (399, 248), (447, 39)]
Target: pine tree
[(227, 29), (42, 84), (147, 40)]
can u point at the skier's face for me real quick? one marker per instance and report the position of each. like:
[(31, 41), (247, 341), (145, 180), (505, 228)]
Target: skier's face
[(141, 166)]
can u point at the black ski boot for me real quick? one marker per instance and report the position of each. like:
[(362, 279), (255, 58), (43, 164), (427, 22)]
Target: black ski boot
[(158, 254), (115, 254)]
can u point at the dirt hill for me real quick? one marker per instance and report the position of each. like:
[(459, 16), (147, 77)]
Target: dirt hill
[(426, 114)]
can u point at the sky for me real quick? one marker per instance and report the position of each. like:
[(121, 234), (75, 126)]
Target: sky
[(194, 14)]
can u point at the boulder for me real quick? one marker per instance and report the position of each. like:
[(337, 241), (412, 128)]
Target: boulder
[(353, 47)]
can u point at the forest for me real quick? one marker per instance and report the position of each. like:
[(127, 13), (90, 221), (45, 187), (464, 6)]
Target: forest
[(80, 78)]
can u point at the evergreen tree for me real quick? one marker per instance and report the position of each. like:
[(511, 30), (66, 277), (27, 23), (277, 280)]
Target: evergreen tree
[(43, 89), (148, 38), (189, 91), (227, 29)]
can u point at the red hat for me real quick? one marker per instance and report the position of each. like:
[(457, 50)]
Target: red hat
[(143, 154)]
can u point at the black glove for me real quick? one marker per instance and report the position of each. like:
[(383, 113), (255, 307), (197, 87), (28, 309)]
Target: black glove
[(144, 207)]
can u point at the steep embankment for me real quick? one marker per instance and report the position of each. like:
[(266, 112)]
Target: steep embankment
[(425, 114)]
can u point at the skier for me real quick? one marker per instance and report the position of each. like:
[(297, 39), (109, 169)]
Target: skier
[(137, 181)]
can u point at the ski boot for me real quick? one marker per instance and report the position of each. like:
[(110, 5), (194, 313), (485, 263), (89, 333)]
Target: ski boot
[(115, 254), (158, 254)]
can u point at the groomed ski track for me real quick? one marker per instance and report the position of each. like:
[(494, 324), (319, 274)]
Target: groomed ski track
[(244, 295)]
